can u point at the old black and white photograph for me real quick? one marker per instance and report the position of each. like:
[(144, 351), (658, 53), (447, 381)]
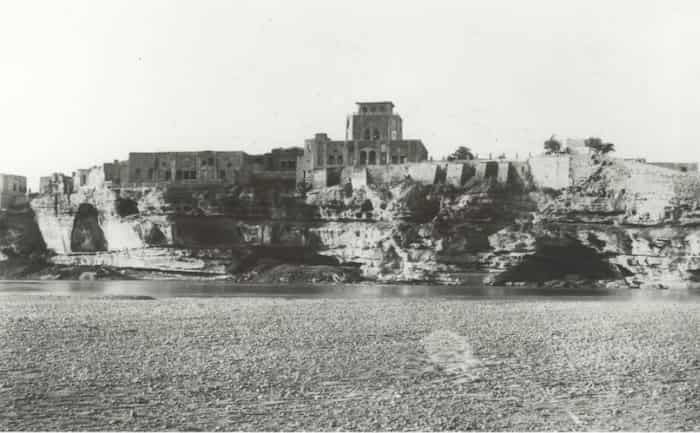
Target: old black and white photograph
[(376, 215)]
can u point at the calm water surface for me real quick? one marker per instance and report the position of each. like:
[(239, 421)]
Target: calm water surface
[(180, 288)]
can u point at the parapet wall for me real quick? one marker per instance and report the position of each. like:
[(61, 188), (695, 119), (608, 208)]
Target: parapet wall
[(426, 173), (385, 174)]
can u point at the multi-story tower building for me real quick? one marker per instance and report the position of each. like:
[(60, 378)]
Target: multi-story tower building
[(373, 136)]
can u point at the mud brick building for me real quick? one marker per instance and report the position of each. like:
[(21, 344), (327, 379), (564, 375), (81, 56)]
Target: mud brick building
[(205, 167)]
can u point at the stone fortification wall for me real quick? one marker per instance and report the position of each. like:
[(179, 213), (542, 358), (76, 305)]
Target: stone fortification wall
[(551, 171), (653, 183), (581, 167), (426, 173), (458, 173)]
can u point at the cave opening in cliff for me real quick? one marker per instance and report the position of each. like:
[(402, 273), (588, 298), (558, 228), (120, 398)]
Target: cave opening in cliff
[(126, 207), (87, 235), (562, 260)]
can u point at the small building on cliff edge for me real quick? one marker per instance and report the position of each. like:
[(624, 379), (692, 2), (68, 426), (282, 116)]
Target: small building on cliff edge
[(13, 190), (57, 183)]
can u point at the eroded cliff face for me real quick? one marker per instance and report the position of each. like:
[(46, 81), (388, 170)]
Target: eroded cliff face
[(627, 222)]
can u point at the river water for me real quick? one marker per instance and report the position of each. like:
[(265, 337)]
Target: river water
[(189, 288)]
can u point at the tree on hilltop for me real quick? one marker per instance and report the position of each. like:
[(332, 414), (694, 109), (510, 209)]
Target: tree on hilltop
[(462, 153), (552, 146), (598, 146)]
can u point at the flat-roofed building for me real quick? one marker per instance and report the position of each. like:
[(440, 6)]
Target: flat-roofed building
[(13, 190)]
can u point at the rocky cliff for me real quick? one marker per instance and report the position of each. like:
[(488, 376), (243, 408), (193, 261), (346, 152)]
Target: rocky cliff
[(627, 222)]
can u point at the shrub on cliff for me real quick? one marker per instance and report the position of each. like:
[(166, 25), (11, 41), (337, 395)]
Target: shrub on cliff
[(552, 146), (598, 147), (462, 153)]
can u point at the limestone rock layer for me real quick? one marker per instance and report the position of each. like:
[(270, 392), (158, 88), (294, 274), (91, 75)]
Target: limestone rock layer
[(626, 221)]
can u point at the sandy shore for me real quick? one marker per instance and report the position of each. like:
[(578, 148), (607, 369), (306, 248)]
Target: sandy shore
[(71, 363)]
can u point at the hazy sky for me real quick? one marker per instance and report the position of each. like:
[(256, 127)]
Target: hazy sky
[(83, 82)]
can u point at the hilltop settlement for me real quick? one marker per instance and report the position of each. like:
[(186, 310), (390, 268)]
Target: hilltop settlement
[(372, 206)]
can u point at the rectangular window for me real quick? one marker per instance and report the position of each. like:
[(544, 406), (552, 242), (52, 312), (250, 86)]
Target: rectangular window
[(211, 162), (151, 173), (178, 175), (193, 174), (222, 174), (137, 173), (394, 159)]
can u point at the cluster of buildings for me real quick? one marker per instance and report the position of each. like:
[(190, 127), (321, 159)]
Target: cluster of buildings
[(373, 143), (374, 136)]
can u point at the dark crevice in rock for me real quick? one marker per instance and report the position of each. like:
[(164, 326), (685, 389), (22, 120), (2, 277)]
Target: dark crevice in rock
[(559, 259), (87, 235), (126, 207), (262, 257), (154, 236), (20, 234)]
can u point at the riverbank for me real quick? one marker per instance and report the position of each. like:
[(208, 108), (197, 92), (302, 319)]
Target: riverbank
[(82, 363)]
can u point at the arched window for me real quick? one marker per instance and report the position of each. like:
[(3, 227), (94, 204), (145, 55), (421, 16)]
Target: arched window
[(340, 160), (376, 134), (331, 160), (372, 157), (367, 134)]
